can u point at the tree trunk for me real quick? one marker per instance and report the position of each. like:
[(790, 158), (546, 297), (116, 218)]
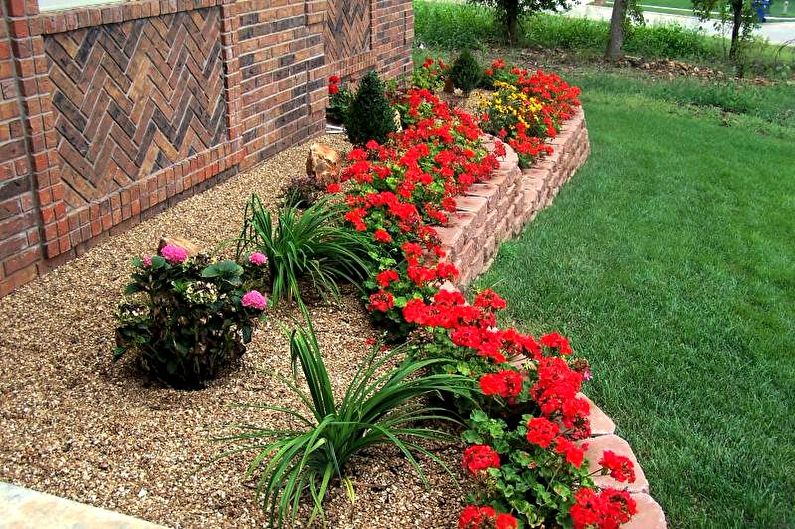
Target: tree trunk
[(616, 42), (512, 20), (737, 20)]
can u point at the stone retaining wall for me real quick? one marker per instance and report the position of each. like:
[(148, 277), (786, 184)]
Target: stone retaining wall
[(498, 209), (494, 211)]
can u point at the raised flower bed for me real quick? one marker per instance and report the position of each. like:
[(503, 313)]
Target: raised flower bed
[(437, 202)]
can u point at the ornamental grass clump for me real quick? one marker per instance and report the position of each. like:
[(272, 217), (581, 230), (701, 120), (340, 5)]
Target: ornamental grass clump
[(185, 318), (313, 244), (380, 406), (369, 116)]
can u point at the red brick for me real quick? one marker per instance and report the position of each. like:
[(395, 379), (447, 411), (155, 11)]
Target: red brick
[(16, 280), (21, 260), (13, 245)]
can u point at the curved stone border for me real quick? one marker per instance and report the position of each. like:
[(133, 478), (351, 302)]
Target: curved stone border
[(498, 209), (493, 211)]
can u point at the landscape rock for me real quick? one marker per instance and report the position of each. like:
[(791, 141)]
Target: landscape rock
[(323, 164), (193, 249)]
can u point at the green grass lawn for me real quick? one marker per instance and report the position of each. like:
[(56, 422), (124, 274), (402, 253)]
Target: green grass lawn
[(669, 260), (685, 7)]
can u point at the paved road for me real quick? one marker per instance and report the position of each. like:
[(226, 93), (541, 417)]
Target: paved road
[(775, 32)]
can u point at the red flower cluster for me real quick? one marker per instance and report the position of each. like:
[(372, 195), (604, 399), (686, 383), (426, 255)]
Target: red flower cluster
[(480, 457), (620, 467), (488, 299), (606, 509), (398, 192), (556, 390), (485, 517), (557, 95), (557, 100), (571, 452), (541, 431), (381, 301), (506, 384), (333, 85)]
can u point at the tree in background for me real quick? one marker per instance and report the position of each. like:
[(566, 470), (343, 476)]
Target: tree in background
[(741, 14), (510, 11), (625, 12)]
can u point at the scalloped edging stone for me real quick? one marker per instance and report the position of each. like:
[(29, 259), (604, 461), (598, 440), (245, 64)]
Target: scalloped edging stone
[(498, 209)]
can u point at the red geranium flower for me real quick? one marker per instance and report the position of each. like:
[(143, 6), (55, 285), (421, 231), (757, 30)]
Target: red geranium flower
[(556, 341), (488, 299), (607, 509), (620, 467), (382, 236), (571, 452), (386, 277), (480, 457), (541, 431), (381, 301)]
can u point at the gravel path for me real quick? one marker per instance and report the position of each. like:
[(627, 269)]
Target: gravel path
[(74, 425)]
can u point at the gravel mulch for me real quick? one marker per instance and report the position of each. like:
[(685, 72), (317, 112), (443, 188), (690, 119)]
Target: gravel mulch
[(75, 425)]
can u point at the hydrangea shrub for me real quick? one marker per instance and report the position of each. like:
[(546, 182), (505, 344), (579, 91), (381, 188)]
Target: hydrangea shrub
[(186, 318)]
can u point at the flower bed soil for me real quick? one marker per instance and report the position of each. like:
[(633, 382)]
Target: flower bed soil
[(74, 425)]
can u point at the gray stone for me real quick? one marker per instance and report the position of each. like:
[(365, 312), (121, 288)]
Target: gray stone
[(22, 508)]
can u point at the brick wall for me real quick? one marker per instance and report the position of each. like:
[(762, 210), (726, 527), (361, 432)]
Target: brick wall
[(20, 248), (287, 49), (110, 114)]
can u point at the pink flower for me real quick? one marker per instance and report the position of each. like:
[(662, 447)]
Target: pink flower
[(254, 300), (258, 258), (147, 261), (174, 254)]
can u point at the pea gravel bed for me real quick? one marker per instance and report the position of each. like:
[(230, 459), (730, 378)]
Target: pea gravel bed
[(74, 425)]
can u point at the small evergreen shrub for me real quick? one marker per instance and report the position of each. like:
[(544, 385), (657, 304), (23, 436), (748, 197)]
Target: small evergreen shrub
[(185, 318), (466, 73), (369, 115)]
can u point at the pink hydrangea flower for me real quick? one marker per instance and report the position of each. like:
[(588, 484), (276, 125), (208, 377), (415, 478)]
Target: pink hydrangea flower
[(254, 300), (258, 258), (147, 260), (174, 254)]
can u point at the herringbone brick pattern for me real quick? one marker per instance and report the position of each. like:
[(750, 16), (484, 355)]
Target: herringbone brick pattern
[(347, 31), (135, 97)]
